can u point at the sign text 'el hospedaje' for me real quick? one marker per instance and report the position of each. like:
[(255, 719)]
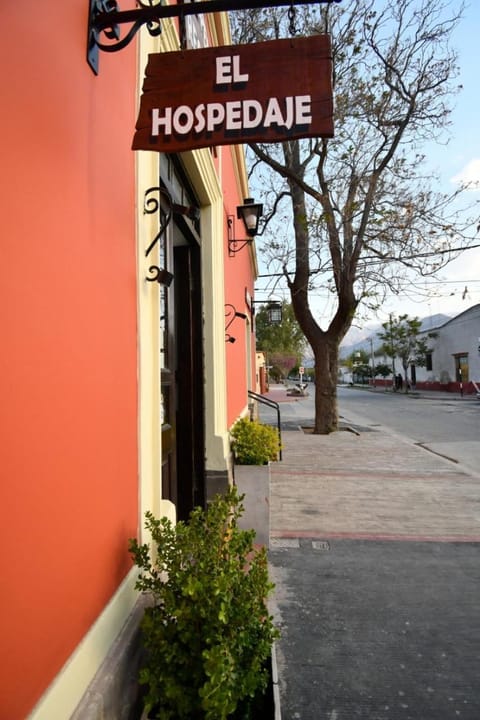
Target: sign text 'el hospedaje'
[(266, 92)]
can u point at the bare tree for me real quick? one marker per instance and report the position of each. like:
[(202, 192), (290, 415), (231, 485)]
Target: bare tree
[(363, 214)]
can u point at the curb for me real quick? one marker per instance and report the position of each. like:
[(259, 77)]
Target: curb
[(275, 685)]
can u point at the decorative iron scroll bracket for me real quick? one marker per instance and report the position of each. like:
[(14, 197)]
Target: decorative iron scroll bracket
[(230, 314), (105, 19), (152, 204), (234, 245)]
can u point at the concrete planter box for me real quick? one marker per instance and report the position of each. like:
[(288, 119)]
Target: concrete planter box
[(253, 481)]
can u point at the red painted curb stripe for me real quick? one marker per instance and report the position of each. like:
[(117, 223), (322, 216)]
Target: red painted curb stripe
[(394, 537), (373, 474)]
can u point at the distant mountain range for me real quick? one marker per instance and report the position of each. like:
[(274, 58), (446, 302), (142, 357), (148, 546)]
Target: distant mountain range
[(359, 339)]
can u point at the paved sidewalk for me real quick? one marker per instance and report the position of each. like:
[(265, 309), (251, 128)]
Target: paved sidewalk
[(374, 552), (370, 485)]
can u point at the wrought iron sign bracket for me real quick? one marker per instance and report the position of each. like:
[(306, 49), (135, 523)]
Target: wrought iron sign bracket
[(152, 205), (105, 19)]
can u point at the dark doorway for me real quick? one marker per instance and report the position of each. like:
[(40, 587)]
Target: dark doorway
[(168, 367), (190, 422), (183, 442)]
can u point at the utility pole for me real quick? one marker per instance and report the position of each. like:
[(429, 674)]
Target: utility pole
[(393, 353), (373, 361)]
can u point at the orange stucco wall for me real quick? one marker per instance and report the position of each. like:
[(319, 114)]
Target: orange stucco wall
[(68, 420), (239, 276)]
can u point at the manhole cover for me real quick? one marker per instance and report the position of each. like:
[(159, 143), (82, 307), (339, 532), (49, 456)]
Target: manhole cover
[(320, 545)]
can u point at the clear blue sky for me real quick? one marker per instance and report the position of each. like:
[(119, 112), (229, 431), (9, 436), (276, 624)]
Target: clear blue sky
[(465, 144)]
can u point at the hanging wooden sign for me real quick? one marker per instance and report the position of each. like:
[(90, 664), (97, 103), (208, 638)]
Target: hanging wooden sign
[(266, 92)]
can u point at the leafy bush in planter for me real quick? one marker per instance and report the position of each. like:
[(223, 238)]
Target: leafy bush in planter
[(208, 634), (254, 443)]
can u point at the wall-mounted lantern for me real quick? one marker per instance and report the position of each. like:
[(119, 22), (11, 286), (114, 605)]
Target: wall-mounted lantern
[(274, 312), (250, 213), (273, 309)]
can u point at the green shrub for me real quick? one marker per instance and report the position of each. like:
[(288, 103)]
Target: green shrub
[(254, 443), (208, 634)]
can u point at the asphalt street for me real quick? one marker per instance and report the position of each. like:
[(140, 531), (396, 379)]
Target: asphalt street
[(378, 630), (374, 551), (445, 424)]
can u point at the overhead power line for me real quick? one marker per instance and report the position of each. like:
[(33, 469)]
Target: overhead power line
[(376, 259)]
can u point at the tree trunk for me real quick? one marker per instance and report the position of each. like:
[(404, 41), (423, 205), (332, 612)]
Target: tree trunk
[(323, 343), (326, 371)]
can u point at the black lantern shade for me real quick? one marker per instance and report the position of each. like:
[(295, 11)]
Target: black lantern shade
[(274, 310), (250, 212)]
